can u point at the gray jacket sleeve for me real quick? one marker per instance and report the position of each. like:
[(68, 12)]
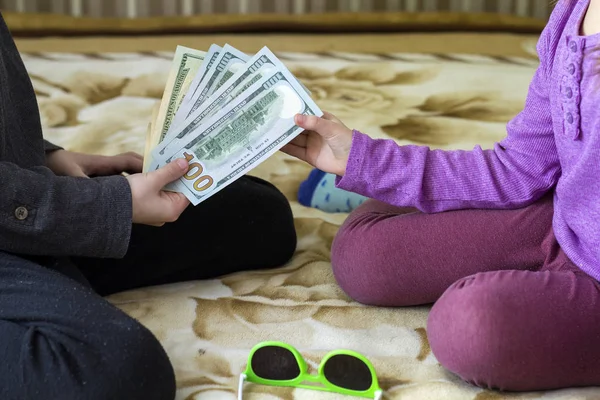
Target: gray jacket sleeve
[(51, 146), (49, 215)]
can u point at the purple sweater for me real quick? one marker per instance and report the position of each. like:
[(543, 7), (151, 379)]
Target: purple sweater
[(552, 145)]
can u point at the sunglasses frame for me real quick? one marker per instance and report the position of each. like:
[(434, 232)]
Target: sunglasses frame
[(374, 391)]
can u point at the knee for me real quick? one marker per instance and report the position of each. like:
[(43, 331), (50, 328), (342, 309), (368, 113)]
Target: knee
[(123, 361), (280, 236), (141, 368), (362, 263), (471, 332), (142, 365), (283, 233)]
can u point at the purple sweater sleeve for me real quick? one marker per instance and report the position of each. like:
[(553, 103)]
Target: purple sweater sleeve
[(516, 172)]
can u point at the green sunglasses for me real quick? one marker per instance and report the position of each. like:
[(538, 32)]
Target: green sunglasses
[(341, 371)]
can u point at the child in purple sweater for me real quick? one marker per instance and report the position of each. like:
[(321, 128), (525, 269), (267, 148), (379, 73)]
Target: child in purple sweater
[(505, 242)]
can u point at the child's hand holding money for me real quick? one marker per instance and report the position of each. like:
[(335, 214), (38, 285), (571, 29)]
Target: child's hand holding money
[(325, 144)]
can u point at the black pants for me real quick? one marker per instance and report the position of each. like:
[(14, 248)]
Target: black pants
[(59, 339)]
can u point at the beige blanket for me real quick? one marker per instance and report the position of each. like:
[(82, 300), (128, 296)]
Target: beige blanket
[(102, 103)]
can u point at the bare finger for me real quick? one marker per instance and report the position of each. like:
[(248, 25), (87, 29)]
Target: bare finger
[(175, 204), (119, 164), (295, 151), (136, 155), (300, 140), (329, 116), (132, 163), (322, 126), (169, 173)]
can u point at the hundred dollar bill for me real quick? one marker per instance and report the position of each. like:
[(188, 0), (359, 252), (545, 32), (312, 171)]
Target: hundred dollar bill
[(226, 64), (184, 109), (262, 63), (242, 135), (148, 149), (229, 61), (183, 70)]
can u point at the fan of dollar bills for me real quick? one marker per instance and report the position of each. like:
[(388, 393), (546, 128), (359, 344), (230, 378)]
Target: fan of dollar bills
[(225, 112)]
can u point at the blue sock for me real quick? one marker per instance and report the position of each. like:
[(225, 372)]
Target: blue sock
[(319, 191)]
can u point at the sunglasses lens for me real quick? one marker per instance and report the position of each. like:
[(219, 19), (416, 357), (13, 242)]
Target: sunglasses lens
[(275, 363), (348, 372)]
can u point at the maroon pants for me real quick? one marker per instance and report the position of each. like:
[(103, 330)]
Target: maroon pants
[(511, 311)]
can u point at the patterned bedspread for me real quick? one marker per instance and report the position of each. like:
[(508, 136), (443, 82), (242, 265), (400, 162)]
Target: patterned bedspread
[(102, 103)]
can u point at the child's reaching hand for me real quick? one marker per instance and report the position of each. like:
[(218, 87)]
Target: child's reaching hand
[(325, 144)]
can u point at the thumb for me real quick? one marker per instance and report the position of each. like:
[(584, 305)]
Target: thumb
[(327, 129), (169, 173)]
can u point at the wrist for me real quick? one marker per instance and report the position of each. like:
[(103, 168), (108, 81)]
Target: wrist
[(341, 169), (52, 155), (342, 151), (348, 150)]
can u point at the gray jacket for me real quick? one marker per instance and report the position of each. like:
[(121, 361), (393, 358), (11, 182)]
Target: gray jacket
[(42, 214)]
